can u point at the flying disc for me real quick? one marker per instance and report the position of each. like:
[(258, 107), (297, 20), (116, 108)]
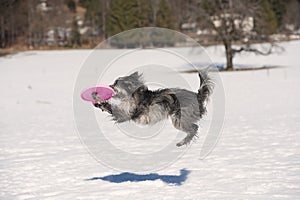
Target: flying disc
[(101, 92)]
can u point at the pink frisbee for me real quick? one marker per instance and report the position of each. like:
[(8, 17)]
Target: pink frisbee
[(101, 91)]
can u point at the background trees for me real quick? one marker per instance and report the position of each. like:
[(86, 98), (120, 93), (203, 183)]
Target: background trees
[(233, 21), (71, 23)]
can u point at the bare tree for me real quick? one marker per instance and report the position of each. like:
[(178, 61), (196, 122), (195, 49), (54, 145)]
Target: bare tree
[(232, 21)]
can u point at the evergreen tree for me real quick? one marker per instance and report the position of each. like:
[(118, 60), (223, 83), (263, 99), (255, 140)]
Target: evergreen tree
[(279, 8), (122, 16), (266, 23), (144, 13), (164, 15), (93, 15)]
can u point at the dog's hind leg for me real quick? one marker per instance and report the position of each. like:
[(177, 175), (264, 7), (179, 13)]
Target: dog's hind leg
[(191, 131), (188, 127)]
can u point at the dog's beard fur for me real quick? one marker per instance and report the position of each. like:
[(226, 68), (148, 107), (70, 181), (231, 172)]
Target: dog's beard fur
[(133, 101)]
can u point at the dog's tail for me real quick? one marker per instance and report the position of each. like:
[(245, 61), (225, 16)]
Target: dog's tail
[(205, 90)]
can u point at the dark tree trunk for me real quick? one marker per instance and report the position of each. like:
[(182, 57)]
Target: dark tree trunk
[(2, 38), (229, 55)]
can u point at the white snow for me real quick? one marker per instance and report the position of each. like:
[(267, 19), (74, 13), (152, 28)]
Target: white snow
[(257, 156)]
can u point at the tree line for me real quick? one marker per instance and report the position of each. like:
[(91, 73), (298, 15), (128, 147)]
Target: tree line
[(72, 23)]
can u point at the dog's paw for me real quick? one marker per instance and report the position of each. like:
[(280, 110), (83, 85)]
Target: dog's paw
[(97, 105), (105, 107), (179, 144), (100, 106), (187, 140)]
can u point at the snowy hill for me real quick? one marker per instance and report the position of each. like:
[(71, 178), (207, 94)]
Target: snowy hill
[(257, 155)]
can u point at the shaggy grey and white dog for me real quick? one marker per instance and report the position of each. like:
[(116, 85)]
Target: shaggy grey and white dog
[(133, 101)]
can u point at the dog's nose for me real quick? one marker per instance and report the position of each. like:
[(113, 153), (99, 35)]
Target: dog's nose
[(111, 86)]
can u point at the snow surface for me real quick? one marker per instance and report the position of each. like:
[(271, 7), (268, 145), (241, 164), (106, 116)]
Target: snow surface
[(257, 156)]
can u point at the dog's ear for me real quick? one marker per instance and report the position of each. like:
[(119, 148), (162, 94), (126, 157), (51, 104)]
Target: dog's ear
[(135, 75)]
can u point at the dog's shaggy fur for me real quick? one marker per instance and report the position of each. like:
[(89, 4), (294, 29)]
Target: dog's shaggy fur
[(133, 101)]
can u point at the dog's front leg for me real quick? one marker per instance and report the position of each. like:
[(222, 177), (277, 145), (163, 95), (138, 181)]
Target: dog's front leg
[(104, 107)]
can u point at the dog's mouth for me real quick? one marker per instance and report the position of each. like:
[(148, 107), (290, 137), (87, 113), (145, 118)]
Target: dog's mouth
[(113, 87)]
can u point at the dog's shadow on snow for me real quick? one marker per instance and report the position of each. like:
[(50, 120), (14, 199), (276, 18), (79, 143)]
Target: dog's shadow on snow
[(132, 177)]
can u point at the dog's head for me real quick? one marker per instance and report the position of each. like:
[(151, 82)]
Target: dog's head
[(127, 85)]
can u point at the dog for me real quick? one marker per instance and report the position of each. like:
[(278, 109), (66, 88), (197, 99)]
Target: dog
[(134, 101)]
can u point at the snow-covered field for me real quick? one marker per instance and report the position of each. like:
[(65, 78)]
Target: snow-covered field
[(257, 155)]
